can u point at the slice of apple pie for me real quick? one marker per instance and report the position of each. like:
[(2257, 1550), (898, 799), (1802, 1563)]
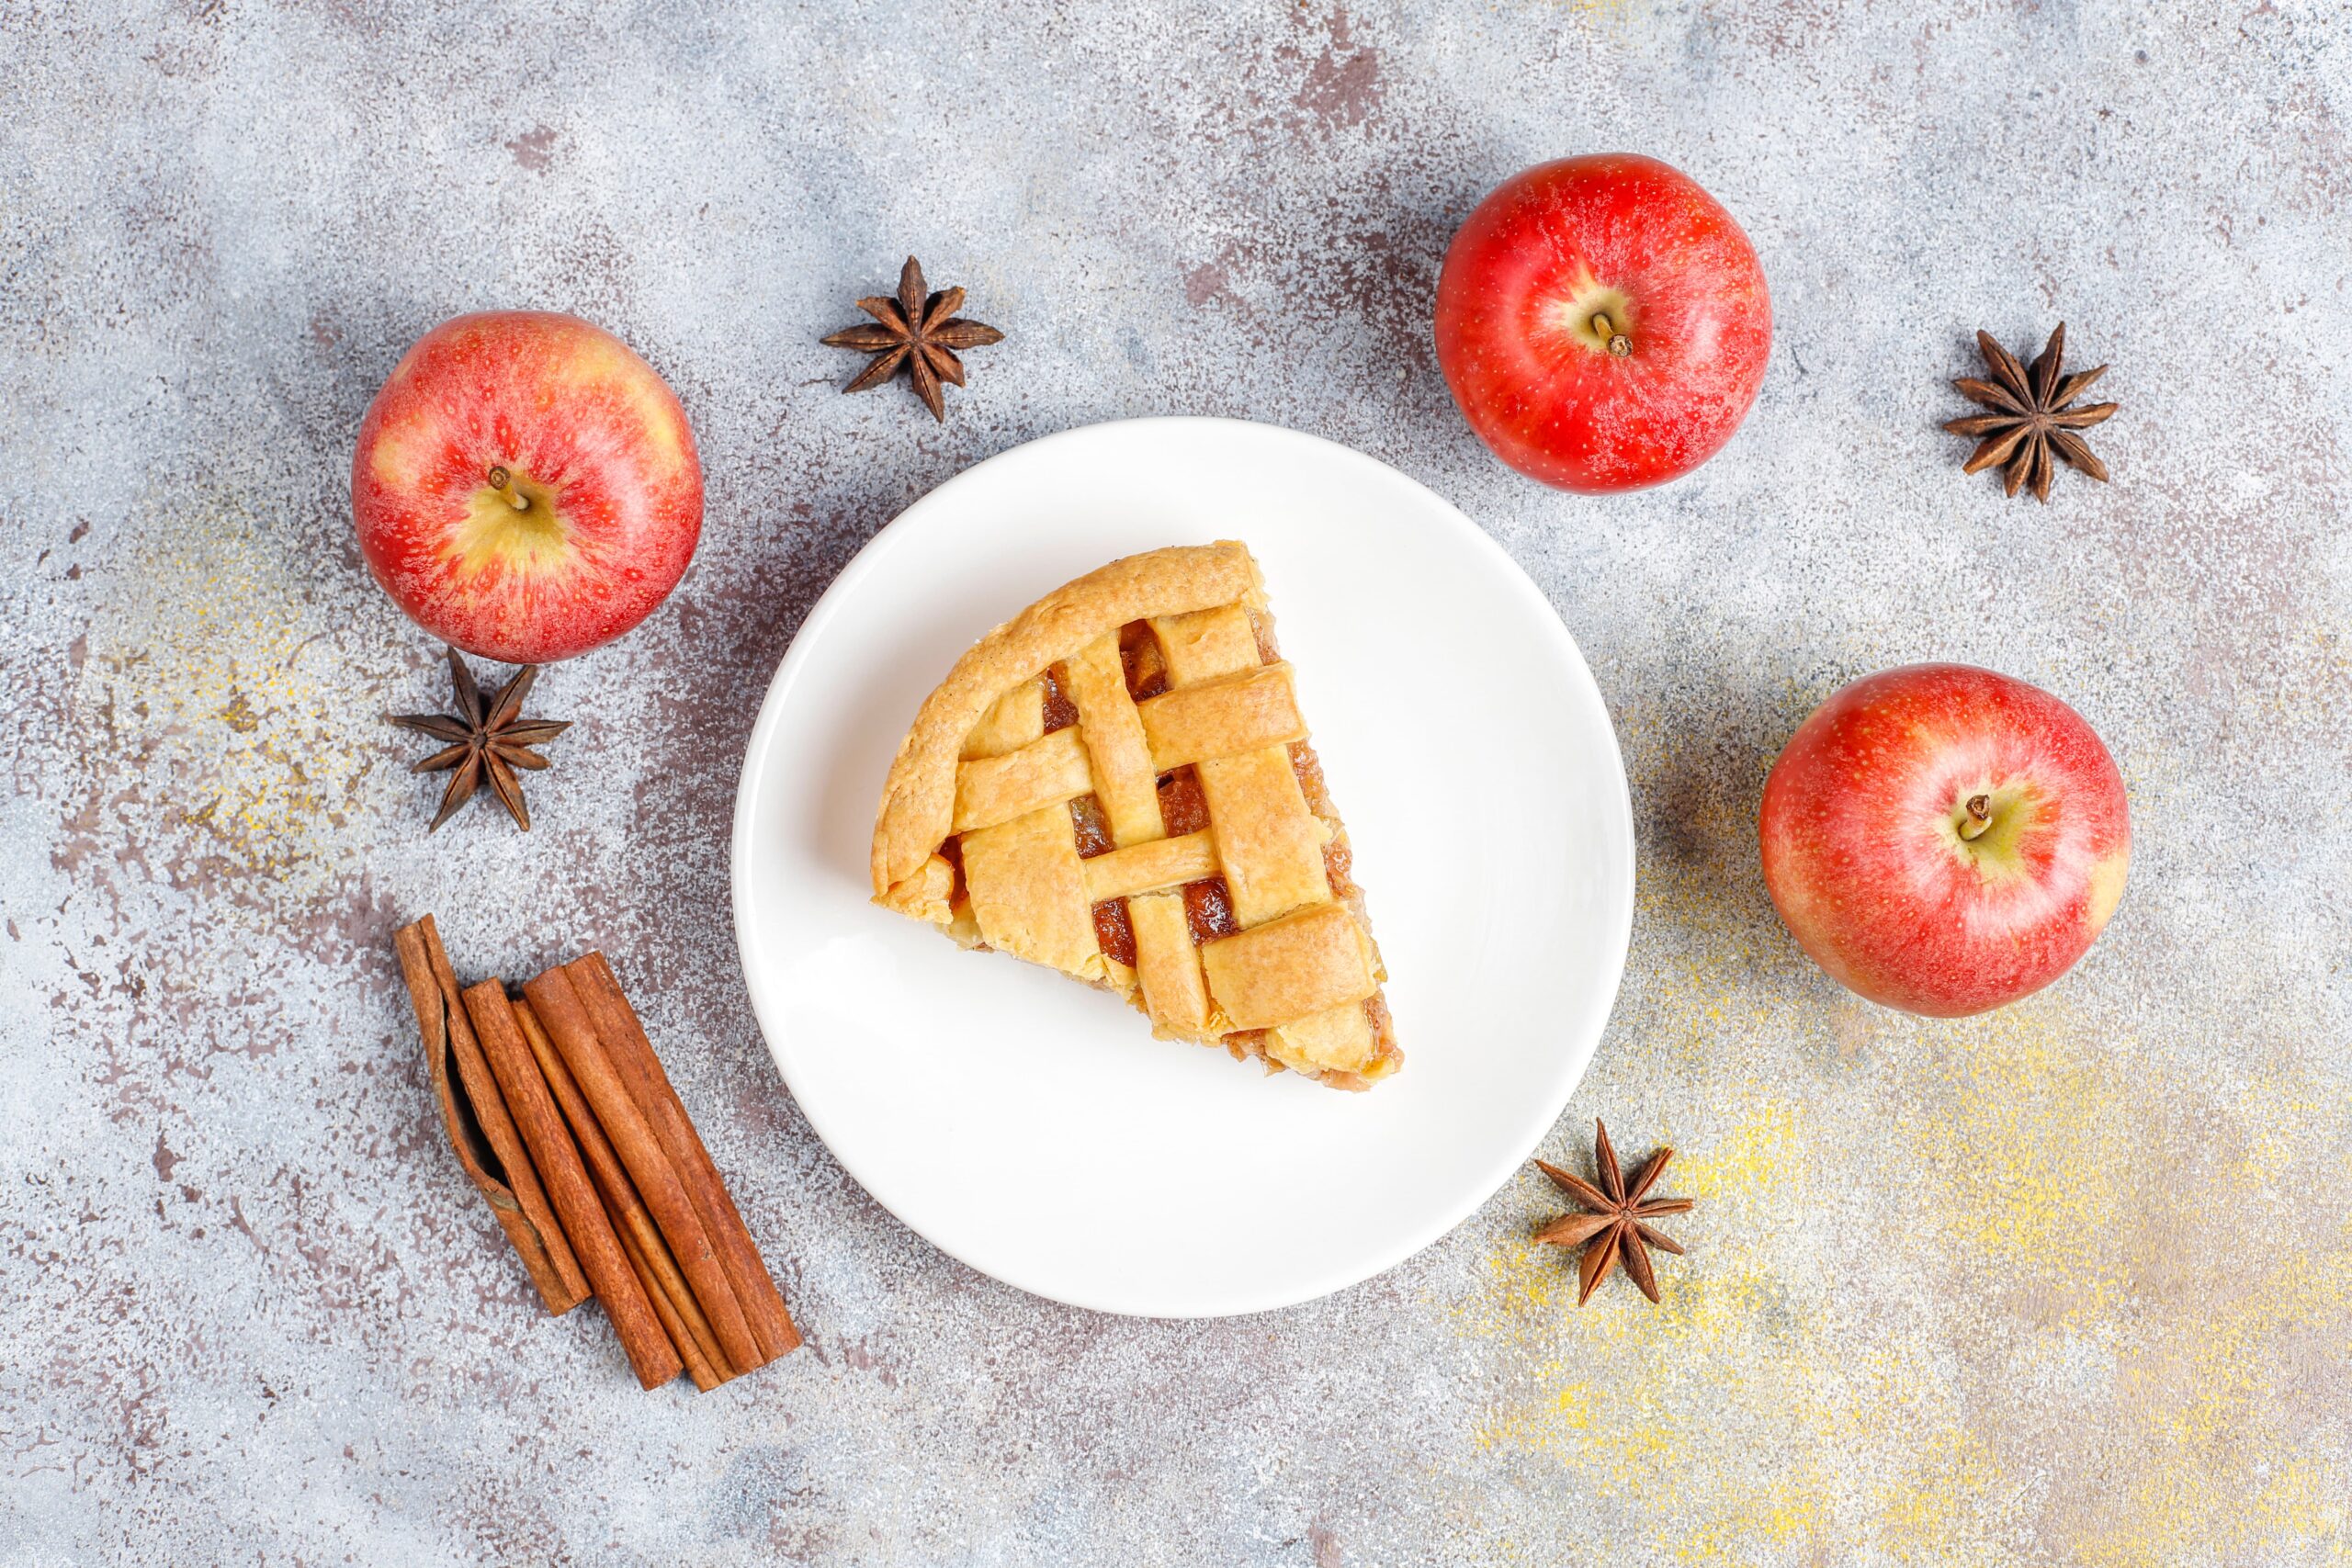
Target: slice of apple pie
[(1116, 783)]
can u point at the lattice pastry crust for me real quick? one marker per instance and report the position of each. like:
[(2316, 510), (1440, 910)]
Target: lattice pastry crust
[(1117, 782)]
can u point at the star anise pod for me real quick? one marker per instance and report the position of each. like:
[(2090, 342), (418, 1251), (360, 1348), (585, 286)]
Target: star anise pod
[(1616, 1223), (917, 330), (2033, 415), (486, 740)]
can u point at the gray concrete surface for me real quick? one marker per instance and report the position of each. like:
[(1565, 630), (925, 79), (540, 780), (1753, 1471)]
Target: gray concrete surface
[(2068, 1284)]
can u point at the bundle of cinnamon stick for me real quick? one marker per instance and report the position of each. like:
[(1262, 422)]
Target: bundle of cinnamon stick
[(561, 1115)]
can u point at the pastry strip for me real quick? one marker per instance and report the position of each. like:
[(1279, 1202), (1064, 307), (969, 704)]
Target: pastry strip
[(1243, 711), (1166, 964), (1096, 679), (1018, 718), (1028, 892), (1160, 865), (1335, 1040), (1302, 963), (1206, 644), (1044, 773), (1270, 844)]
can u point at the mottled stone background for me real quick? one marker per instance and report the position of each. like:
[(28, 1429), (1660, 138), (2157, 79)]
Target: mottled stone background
[(2068, 1284)]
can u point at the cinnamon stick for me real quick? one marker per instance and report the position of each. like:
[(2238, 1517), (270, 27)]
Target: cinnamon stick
[(657, 1180), (617, 1025), (647, 1344), (480, 1129), (698, 1366), (657, 1270)]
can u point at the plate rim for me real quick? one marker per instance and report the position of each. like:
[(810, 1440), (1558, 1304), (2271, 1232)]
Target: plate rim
[(1587, 1028)]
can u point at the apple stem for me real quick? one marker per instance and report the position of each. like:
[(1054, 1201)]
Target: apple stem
[(1979, 817), (500, 480), (1620, 346)]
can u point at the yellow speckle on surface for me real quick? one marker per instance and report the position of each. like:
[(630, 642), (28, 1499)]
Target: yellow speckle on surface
[(217, 719), (2049, 1326), (1760, 1155)]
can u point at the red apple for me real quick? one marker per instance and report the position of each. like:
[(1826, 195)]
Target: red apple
[(524, 487), (1603, 322), (1945, 840)]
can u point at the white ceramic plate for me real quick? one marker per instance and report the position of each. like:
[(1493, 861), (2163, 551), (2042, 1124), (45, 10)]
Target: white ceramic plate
[(1032, 1126)]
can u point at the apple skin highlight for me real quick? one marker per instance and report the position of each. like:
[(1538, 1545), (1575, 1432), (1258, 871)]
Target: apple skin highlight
[(524, 487), (1944, 840)]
